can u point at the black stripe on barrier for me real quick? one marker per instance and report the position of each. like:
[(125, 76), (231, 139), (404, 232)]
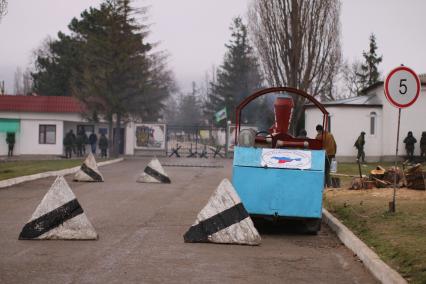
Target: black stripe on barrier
[(157, 175), (220, 221), (91, 173), (51, 220)]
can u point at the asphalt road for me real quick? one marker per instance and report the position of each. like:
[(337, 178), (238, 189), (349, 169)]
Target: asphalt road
[(140, 229)]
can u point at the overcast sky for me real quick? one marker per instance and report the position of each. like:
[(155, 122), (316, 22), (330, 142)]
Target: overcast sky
[(194, 31)]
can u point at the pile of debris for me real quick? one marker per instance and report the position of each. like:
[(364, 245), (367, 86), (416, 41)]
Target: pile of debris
[(415, 177), (386, 178), (411, 177), (361, 183)]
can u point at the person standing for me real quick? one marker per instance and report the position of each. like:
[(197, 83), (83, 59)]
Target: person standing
[(423, 145), (103, 145), (69, 144), (10, 140), (359, 145), (330, 147), (93, 139), (79, 141), (85, 142), (409, 145), (73, 138)]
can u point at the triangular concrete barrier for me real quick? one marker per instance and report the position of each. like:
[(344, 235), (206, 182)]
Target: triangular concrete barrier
[(59, 216), (223, 220), (154, 173), (89, 170)]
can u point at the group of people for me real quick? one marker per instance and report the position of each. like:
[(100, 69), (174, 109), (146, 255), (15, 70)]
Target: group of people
[(77, 144), (409, 142)]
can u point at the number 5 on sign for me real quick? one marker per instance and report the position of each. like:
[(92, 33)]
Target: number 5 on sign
[(402, 87)]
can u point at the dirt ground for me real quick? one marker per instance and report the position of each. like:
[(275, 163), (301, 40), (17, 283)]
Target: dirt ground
[(401, 193), (140, 229)]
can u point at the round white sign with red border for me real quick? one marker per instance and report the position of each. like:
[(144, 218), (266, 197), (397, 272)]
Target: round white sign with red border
[(402, 87)]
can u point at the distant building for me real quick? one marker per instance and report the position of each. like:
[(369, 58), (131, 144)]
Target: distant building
[(41, 122), (372, 114)]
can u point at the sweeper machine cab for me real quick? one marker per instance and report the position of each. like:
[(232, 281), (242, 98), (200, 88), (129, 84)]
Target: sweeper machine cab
[(277, 175)]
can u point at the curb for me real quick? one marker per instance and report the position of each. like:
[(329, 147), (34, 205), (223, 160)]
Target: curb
[(18, 180), (371, 260)]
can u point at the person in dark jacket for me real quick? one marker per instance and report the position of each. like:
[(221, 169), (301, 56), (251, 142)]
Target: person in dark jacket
[(103, 145), (10, 140), (423, 145), (79, 142), (85, 142), (93, 139), (73, 139), (68, 142), (409, 145), (359, 145)]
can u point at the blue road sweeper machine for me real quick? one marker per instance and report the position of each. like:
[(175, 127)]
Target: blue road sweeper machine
[(278, 175)]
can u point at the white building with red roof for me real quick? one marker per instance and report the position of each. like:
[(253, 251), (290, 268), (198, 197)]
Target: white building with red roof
[(41, 122)]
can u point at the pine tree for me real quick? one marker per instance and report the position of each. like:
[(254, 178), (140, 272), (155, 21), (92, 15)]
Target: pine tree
[(237, 77), (369, 72), (113, 76), (189, 109), (54, 63)]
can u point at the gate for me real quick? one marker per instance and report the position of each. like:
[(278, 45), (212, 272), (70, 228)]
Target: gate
[(195, 141)]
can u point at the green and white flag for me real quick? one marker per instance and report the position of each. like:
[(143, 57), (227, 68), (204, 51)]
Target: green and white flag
[(220, 115)]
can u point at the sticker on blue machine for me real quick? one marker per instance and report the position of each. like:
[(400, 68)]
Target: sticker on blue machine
[(287, 159)]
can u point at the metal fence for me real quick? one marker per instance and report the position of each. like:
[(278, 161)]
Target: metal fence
[(195, 141)]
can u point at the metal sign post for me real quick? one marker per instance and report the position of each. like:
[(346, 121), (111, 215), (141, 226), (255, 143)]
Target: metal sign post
[(402, 88), (392, 203)]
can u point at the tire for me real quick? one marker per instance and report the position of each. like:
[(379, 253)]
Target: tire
[(313, 226)]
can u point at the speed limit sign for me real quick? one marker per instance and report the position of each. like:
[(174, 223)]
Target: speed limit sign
[(402, 87)]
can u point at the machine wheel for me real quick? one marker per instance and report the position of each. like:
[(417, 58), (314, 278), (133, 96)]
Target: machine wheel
[(313, 226)]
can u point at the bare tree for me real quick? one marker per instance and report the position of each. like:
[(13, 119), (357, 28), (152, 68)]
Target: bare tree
[(17, 85), (298, 42), (27, 82), (3, 8), (352, 82)]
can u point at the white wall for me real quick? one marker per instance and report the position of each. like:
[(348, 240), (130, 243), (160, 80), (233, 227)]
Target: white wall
[(346, 125), (29, 139), (412, 119), (129, 132), (3, 145)]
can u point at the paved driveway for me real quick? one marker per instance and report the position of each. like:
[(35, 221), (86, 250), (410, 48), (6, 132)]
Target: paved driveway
[(140, 229)]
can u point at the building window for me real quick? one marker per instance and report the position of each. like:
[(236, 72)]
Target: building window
[(373, 116), (47, 134)]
